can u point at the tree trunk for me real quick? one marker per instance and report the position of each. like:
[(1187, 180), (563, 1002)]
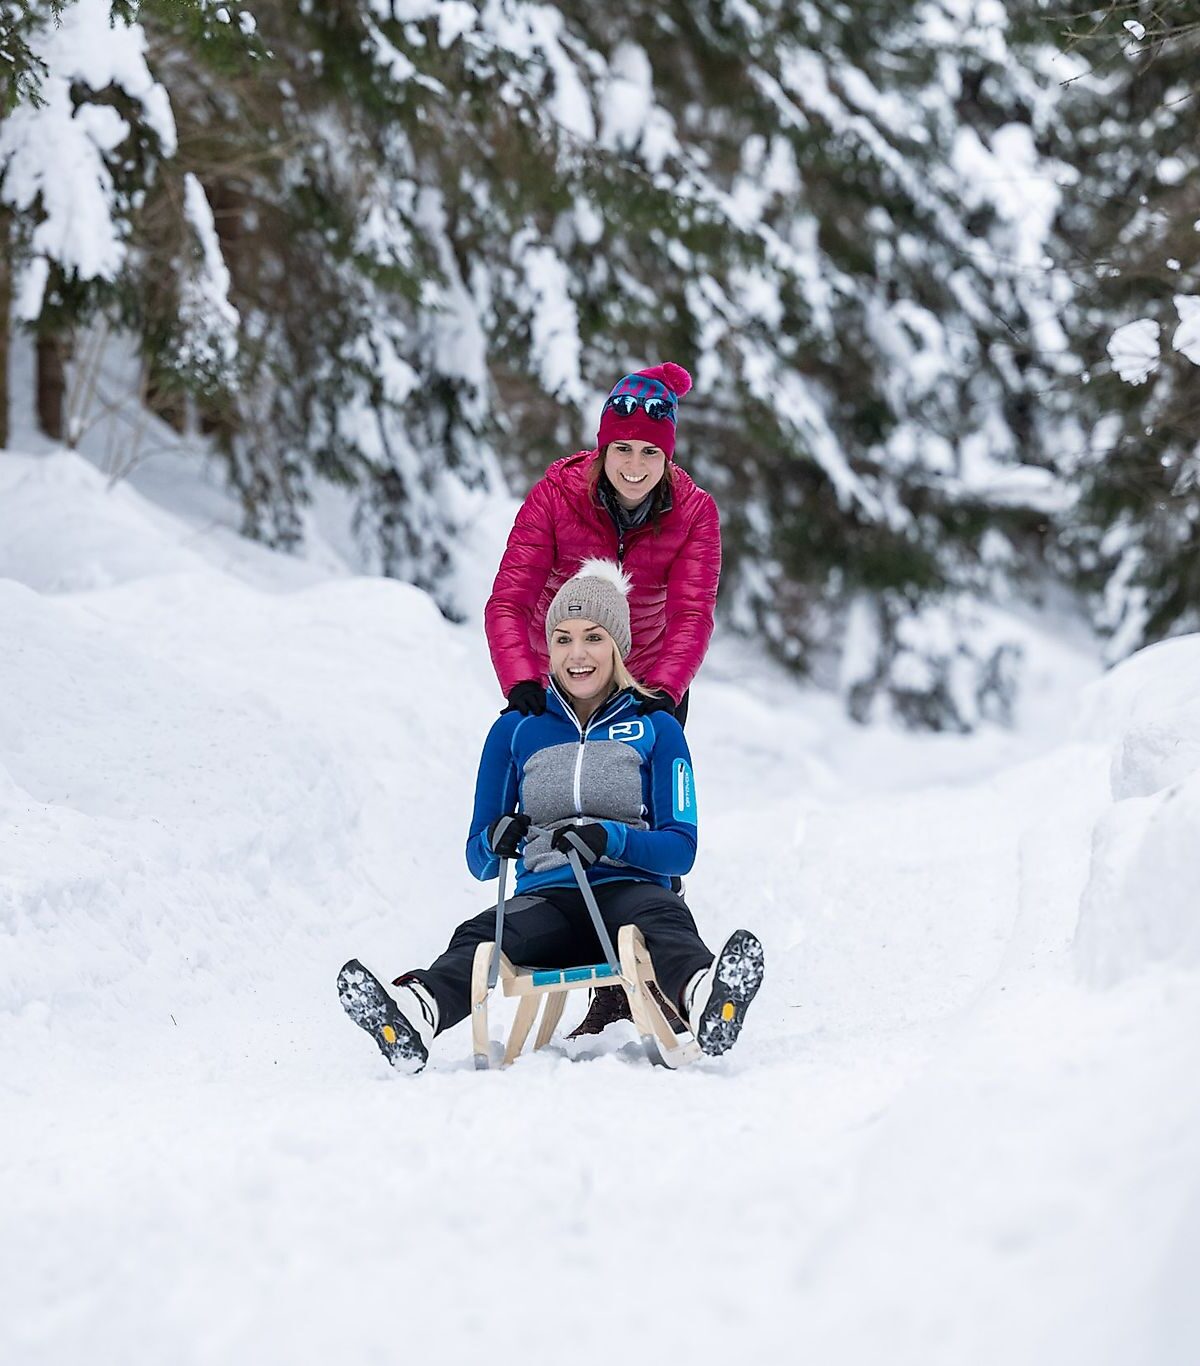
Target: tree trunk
[(165, 401), (52, 383), (5, 318), (219, 420)]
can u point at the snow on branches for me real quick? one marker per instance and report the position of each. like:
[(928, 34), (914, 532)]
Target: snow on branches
[(65, 158)]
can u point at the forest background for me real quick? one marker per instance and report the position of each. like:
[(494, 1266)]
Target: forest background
[(934, 266)]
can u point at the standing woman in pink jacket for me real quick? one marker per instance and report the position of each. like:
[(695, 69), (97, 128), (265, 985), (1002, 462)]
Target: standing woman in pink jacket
[(627, 500)]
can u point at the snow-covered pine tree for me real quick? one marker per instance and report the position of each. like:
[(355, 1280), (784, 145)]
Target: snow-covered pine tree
[(87, 151), (813, 204), (21, 71), (21, 67), (363, 357), (818, 205), (179, 309), (448, 225), (83, 134), (1132, 218)]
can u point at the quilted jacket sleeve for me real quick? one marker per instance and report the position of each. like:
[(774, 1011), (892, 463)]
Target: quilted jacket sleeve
[(524, 570), (691, 601)]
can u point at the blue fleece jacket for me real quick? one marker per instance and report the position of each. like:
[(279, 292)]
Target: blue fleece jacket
[(632, 773)]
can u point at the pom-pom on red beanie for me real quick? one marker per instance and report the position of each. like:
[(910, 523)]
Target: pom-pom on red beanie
[(652, 400)]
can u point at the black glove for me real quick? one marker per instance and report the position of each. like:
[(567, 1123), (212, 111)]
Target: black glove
[(657, 701), (505, 833), (529, 698), (588, 841)]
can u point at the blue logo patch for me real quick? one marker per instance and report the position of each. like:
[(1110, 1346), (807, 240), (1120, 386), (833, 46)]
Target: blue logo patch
[(627, 730), (683, 792)]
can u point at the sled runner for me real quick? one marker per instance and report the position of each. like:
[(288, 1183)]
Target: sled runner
[(665, 1036)]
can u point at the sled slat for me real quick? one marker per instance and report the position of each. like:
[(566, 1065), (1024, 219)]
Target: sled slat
[(536, 981), (526, 1011), (552, 1011)]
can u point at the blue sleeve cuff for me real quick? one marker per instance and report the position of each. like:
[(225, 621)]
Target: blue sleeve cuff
[(617, 833)]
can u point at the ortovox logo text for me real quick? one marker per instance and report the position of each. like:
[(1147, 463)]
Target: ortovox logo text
[(683, 796)]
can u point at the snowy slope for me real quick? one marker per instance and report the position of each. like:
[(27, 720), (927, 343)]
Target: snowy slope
[(962, 1125)]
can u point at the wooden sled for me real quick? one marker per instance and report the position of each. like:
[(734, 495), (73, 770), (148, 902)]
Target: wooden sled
[(665, 1036)]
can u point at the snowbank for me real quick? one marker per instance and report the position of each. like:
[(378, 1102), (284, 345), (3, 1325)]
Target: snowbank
[(62, 528), (1142, 901), (196, 773), (223, 772)]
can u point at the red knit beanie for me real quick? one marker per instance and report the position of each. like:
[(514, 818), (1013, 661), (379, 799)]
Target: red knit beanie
[(647, 405)]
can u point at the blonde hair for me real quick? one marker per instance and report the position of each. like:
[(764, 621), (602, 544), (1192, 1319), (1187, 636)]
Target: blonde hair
[(623, 678)]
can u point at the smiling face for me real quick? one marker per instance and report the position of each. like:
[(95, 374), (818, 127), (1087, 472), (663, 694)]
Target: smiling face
[(634, 469), (582, 660)]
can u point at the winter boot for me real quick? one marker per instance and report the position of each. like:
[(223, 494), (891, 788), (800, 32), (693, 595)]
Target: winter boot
[(716, 1000), (402, 1018), (608, 1004)]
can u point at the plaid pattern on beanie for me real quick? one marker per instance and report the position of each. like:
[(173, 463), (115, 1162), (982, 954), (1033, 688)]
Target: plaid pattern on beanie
[(668, 382), (599, 593)]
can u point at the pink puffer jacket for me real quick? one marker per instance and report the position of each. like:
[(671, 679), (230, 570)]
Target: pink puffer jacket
[(674, 573)]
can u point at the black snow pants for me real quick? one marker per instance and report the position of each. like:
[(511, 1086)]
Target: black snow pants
[(552, 929)]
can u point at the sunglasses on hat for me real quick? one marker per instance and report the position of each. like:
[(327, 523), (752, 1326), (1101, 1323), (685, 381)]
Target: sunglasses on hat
[(625, 405)]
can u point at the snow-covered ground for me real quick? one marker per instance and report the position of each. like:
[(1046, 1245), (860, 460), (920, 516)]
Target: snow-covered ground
[(963, 1125)]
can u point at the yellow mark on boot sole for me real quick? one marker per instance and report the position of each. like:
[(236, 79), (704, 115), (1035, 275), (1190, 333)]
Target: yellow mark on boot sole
[(389, 1034), (727, 1011)]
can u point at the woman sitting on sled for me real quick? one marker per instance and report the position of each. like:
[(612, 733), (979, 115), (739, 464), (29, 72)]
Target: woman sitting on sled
[(593, 775)]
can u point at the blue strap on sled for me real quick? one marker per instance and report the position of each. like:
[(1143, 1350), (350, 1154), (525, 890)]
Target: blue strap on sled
[(611, 967), (494, 969), (552, 977), (589, 897)]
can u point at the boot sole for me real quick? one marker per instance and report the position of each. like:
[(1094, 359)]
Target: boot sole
[(365, 999), (738, 977)]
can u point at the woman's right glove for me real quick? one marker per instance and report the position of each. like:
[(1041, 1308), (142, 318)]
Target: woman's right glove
[(506, 833), (658, 700), (529, 698), (588, 841)]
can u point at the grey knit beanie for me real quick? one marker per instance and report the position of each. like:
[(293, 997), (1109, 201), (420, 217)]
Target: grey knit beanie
[(599, 593)]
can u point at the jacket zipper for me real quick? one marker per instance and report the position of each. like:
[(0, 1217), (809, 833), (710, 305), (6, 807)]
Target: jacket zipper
[(622, 548), (584, 732), (579, 775), (611, 517)]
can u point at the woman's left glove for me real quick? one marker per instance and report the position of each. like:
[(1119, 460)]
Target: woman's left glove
[(588, 841)]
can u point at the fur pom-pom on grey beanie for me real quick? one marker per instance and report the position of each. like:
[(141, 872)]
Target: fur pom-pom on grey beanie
[(599, 592)]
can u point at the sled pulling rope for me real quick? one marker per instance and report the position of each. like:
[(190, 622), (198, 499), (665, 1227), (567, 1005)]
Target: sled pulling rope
[(665, 1035)]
